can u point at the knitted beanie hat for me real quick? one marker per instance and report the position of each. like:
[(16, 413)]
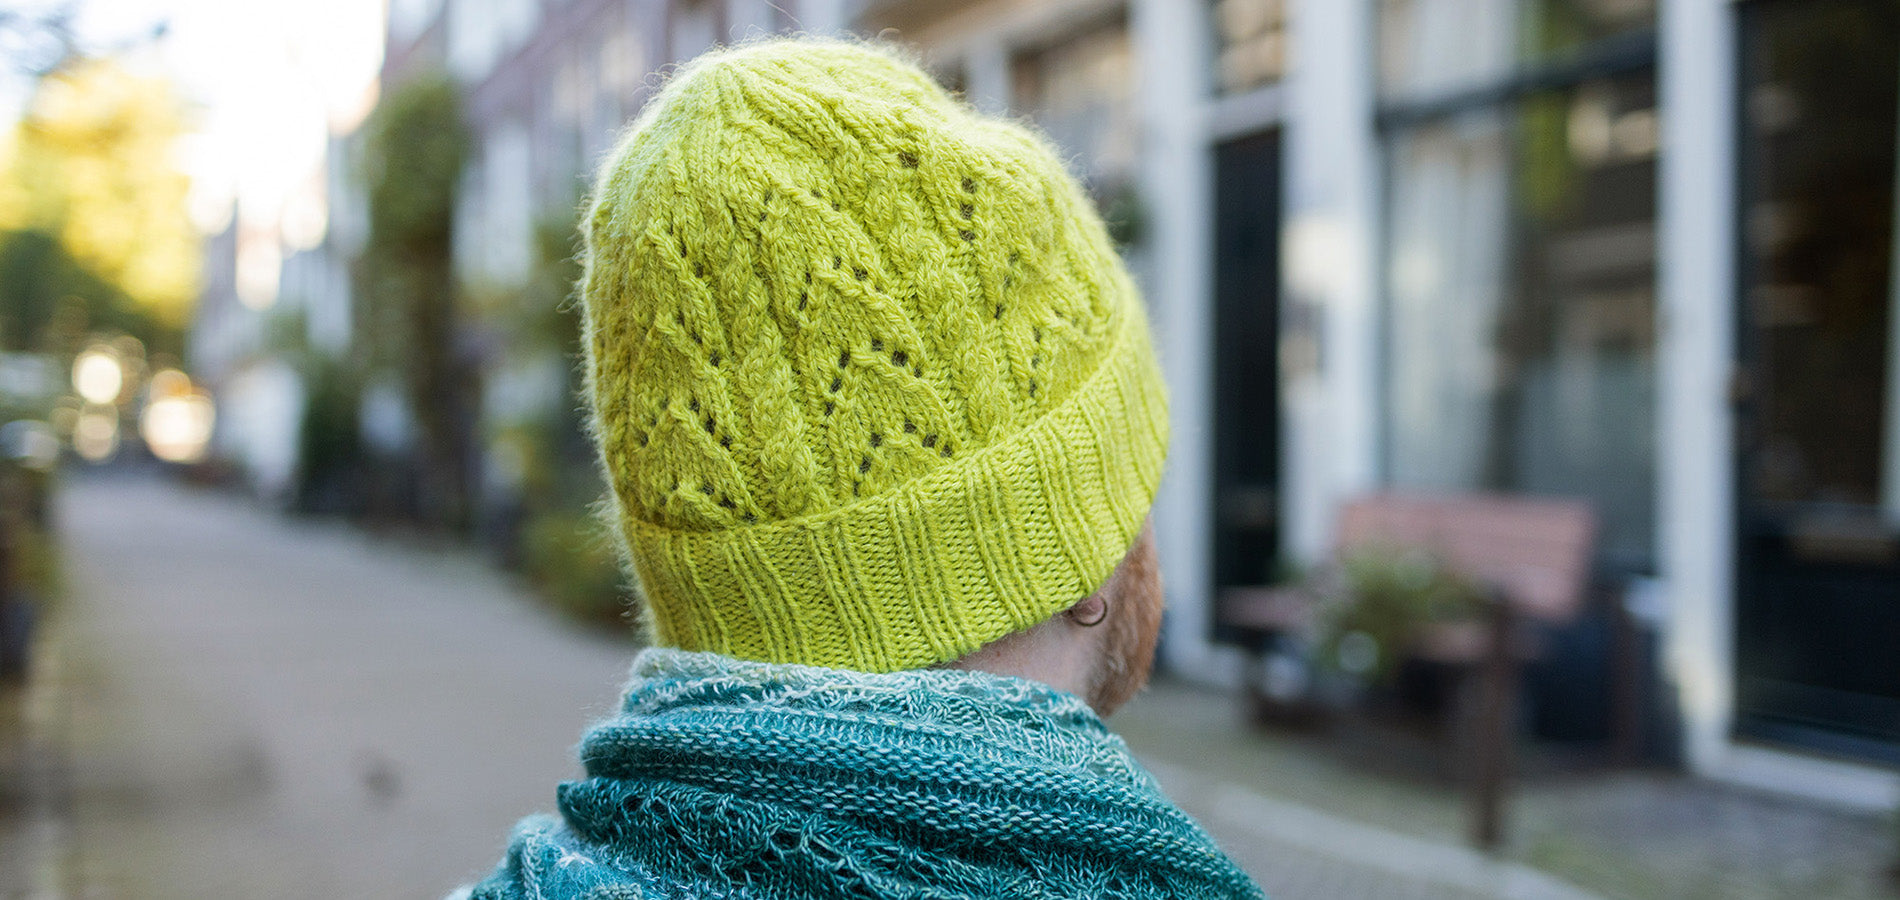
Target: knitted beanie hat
[(871, 386)]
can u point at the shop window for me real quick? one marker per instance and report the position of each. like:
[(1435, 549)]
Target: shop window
[(1818, 195), (1519, 281), (1818, 401)]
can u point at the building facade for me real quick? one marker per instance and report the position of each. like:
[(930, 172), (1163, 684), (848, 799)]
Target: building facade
[(1639, 252)]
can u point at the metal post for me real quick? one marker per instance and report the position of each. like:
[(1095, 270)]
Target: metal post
[(1495, 725)]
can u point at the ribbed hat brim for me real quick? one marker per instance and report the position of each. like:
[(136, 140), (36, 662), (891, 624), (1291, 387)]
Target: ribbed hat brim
[(995, 543)]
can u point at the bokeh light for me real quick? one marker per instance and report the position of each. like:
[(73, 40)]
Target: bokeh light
[(98, 376), (177, 421), (96, 435)]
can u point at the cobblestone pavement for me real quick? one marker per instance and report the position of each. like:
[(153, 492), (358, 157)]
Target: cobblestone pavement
[(1663, 836), (232, 704), (1293, 807), (1308, 824)]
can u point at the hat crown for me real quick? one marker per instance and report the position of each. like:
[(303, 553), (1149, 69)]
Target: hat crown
[(813, 276)]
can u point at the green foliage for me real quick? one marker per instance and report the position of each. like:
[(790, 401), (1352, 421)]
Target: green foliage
[(565, 549), (417, 144), (91, 163), (37, 561), (30, 569), (52, 300), (1548, 176), (572, 561), (32, 554), (1390, 595), (329, 447)]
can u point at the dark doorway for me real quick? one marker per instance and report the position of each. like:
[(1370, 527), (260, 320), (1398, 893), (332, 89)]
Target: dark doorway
[(1246, 361), (1818, 473)]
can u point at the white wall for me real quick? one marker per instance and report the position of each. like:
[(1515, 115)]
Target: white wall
[(1176, 182), (260, 412), (1695, 503), (1329, 250)]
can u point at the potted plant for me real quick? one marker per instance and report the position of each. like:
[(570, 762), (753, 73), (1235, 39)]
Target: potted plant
[(1383, 603)]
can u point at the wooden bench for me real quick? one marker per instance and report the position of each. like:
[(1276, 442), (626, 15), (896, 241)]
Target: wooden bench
[(1532, 557)]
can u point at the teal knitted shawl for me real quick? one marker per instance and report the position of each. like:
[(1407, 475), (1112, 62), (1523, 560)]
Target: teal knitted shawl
[(722, 778)]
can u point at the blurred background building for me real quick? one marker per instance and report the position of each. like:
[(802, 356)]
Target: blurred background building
[(1638, 252)]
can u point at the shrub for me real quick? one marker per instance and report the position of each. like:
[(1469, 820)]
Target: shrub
[(572, 560)]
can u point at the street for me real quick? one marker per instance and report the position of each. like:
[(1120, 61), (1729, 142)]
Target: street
[(262, 707), (232, 703)]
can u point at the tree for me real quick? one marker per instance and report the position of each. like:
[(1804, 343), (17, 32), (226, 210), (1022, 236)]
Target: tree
[(50, 302), (89, 166), (416, 146)]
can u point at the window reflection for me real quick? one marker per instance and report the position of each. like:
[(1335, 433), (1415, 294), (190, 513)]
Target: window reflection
[(1818, 195), (1520, 267)]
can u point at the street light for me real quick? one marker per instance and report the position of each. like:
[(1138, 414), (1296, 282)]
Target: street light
[(97, 375)]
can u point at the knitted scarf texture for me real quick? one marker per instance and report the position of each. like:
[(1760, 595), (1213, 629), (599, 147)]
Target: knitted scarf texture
[(722, 778)]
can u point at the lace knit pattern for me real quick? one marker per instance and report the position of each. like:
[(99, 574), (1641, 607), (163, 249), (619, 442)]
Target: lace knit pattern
[(730, 779), (871, 385)]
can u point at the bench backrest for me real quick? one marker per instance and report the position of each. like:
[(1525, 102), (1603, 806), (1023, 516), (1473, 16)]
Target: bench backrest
[(1536, 551)]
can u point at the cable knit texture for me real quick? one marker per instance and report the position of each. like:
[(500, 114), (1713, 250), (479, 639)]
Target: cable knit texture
[(723, 778), (870, 383)]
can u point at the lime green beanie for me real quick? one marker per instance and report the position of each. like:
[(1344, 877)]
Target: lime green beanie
[(870, 383)]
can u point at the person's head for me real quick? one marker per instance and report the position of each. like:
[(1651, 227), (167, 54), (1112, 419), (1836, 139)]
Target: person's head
[(871, 387), (1099, 649)]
